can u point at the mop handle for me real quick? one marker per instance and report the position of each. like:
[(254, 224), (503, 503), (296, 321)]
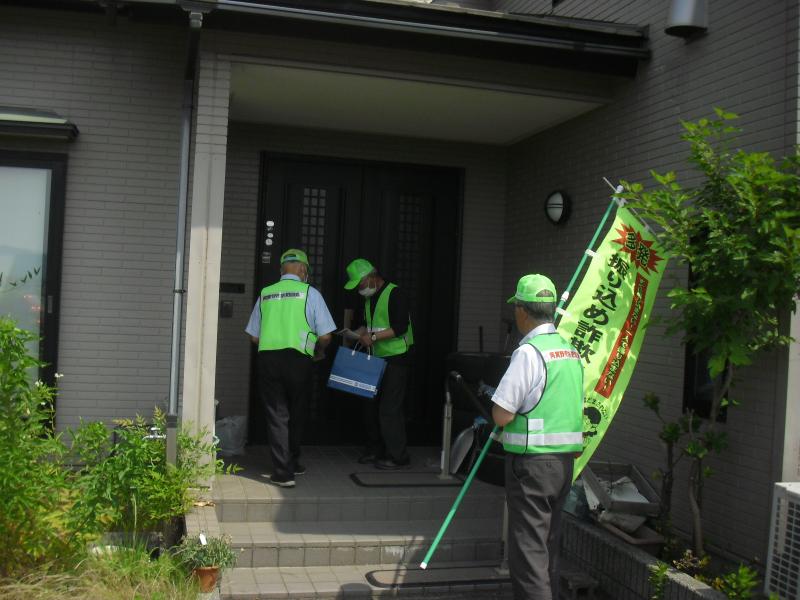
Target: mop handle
[(454, 508)]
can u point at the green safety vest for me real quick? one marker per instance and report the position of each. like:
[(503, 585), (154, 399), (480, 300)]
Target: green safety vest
[(380, 321), (555, 424), (283, 318)]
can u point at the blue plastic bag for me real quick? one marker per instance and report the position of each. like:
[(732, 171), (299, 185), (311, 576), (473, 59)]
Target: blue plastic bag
[(356, 372)]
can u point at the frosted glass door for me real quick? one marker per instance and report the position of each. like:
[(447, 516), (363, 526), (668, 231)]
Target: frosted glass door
[(24, 224)]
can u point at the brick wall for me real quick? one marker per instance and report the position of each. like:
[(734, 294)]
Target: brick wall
[(747, 64), (121, 85)]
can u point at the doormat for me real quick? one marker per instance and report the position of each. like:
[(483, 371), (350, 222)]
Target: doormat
[(402, 479), (405, 577)]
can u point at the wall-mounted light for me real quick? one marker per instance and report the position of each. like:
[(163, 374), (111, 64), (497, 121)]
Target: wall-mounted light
[(557, 207), (687, 18)]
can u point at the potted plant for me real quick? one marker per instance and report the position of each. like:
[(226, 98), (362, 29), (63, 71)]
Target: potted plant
[(207, 558)]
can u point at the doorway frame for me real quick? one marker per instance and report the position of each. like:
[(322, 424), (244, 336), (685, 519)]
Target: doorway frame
[(460, 176)]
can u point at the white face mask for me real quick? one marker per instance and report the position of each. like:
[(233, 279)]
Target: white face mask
[(367, 292)]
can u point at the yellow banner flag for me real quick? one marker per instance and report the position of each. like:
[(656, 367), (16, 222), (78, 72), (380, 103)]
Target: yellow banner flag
[(605, 320)]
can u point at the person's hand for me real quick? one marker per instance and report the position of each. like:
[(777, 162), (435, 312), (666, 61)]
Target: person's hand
[(319, 353), (365, 339)]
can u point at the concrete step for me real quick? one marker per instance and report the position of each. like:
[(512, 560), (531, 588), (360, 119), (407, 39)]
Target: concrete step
[(335, 543), (395, 505), (448, 581)]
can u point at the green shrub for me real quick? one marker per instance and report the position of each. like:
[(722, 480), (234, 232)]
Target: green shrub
[(56, 497), (738, 584), (35, 489), (129, 486)]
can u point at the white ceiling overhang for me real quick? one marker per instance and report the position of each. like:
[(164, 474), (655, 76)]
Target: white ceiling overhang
[(385, 104)]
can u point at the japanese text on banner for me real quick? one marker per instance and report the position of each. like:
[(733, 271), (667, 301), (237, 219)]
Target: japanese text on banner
[(606, 320)]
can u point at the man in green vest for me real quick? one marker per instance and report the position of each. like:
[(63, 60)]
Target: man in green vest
[(290, 323), (387, 331), (539, 405)]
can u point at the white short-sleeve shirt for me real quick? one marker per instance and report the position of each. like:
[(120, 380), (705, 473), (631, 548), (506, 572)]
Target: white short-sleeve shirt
[(523, 383)]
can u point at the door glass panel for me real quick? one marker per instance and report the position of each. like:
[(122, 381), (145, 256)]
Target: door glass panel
[(24, 204), (408, 243), (312, 232)]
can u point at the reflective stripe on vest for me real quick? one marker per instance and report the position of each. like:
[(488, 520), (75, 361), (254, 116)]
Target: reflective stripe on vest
[(283, 318), (380, 322), (552, 426)]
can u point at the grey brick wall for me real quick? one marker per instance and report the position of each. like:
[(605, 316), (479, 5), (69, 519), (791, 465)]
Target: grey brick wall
[(748, 64), (121, 86), (485, 168)]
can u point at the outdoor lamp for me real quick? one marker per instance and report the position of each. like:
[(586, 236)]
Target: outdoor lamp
[(687, 18), (557, 207)]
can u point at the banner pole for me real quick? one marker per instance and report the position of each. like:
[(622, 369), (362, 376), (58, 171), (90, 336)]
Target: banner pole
[(586, 254), (454, 508)]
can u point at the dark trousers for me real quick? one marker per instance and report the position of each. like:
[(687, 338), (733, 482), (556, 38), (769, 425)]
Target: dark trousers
[(536, 489), (384, 422), (285, 384)]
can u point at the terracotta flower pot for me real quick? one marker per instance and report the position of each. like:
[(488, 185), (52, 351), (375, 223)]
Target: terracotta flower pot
[(207, 577)]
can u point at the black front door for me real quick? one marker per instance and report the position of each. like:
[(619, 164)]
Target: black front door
[(405, 220)]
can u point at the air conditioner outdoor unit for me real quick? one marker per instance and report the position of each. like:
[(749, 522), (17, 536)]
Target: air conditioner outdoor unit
[(783, 561)]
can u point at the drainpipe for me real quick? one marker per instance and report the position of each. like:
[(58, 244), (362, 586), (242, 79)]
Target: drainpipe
[(195, 24)]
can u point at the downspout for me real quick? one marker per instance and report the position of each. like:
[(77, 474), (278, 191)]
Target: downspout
[(195, 24)]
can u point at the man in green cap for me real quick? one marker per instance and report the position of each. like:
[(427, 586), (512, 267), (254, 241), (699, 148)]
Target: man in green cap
[(387, 331), (539, 405), (290, 323)]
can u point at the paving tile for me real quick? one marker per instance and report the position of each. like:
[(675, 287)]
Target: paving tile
[(327, 587), (398, 509), (307, 511), (291, 557), (304, 587), (244, 557), (258, 511), (238, 576), (342, 555), (368, 555), (317, 556), (376, 509), (267, 575), (272, 590), (294, 575), (392, 554)]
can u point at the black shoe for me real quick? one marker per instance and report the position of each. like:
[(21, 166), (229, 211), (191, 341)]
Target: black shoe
[(368, 458), (284, 483), (390, 464), (299, 469)]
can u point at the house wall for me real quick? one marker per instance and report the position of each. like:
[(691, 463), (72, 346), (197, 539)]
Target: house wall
[(747, 64), (484, 183), (121, 85)]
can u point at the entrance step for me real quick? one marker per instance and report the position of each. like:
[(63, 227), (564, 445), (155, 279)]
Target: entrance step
[(328, 543), (447, 581), (340, 535)]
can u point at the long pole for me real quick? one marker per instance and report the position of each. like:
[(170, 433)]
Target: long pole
[(468, 481), (461, 494), (586, 254)]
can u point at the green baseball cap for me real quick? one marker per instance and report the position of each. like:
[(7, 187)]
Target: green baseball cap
[(534, 288), (294, 255), (356, 271)]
